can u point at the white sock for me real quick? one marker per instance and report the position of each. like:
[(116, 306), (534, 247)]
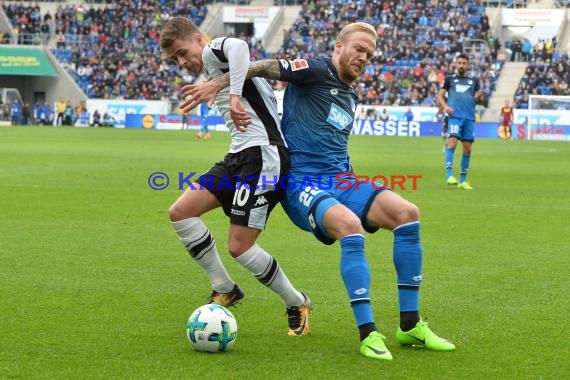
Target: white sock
[(201, 245), (267, 271)]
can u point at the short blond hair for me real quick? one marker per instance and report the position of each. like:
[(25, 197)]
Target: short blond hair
[(357, 27), (177, 28)]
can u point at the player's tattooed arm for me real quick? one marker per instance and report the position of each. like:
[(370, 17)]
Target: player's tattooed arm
[(265, 69), (268, 69), (195, 94)]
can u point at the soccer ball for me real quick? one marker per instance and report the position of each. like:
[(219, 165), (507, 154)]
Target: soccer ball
[(212, 328)]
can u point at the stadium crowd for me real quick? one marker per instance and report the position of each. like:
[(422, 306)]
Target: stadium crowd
[(418, 42), (112, 51), (546, 74), (107, 58)]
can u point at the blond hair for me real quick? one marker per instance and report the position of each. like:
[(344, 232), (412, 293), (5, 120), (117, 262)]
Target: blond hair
[(356, 27), (177, 28)]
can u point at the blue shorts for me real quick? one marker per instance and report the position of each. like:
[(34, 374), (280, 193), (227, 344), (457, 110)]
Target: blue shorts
[(462, 129), (306, 205)]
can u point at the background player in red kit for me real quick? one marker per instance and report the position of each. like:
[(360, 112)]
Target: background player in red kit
[(507, 119)]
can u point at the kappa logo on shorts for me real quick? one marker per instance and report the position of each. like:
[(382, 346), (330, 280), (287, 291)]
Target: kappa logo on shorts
[(299, 64), (260, 201)]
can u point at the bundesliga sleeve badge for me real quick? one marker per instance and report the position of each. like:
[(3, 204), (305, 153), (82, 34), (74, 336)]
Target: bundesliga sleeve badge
[(299, 64)]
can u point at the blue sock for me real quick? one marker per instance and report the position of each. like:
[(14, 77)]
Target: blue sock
[(356, 276), (464, 167), (449, 161), (408, 263)]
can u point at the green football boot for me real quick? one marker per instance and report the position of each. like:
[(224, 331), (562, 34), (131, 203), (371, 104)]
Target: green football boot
[(421, 335), (373, 347), (451, 180)]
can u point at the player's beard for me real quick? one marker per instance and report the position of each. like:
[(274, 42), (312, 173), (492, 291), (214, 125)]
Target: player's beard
[(461, 71), (347, 71)]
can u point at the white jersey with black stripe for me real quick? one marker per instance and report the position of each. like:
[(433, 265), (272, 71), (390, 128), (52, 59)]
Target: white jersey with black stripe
[(258, 98)]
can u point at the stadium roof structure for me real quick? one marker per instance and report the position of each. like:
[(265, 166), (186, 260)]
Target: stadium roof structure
[(25, 61)]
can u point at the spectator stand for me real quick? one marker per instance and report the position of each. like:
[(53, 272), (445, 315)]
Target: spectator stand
[(112, 51), (417, 45)]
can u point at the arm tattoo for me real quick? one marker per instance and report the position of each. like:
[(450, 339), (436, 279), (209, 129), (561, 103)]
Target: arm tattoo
[(268, 69)]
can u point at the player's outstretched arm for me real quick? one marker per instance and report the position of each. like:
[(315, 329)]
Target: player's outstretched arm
[(195, 94), (268, 69)]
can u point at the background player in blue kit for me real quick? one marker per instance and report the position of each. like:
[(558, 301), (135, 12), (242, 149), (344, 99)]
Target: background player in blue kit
[(461, 90), (203, 110), (318, 115)]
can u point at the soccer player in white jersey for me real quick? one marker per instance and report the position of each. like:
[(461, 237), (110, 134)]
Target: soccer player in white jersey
[(258, 156)]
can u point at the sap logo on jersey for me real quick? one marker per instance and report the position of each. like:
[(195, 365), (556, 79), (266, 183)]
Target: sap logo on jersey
[(339, 118), (461, 88)]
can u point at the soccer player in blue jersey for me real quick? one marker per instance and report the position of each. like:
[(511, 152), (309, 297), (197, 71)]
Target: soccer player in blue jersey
[(457, 98), (318, 115)]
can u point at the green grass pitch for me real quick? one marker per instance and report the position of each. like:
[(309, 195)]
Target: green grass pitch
[(95, 285)]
